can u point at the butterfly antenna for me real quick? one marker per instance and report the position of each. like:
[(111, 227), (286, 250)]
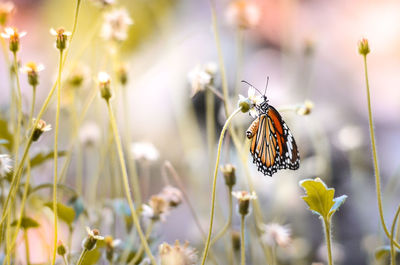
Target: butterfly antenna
[(244, 81), (266, 86)]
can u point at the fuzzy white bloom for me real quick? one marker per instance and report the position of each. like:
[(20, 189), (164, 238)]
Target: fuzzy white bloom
[(12, 33), (202, 76), (89, 134), (31, 67), (177, 254), (5, 165), (172, 195), (275, 234), (103, 77), (157, 209), (244, 195), (94, 233), (145, 151), (251, 101), (115, 25)]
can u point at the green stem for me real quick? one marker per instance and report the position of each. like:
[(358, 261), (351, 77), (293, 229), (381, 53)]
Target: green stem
[(56, 158), (19, 109), (138, 254), (65, 259), (210, 125), (242, 239), (32, 107), (228, 222), (375, 156), (327, 226), (392, 238), (82, 256), (239, 58), (126, 184), (226, 125), (26, 247)]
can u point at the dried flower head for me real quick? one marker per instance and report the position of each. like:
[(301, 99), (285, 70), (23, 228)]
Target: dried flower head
[(228, 170), (61, 249), (144, 151), (202, 76), (248, 104), (305, 108), (32, 70), (13, 35), (243, 14), (363, 47), (115, 25), (104, 81), (177, 254), (111, 244), (172, 195), (5, 165), (6, 10), (244, 199), (276, 235), (157, 209), (62, 38), (90, 241), (40, 129), (89, 134)]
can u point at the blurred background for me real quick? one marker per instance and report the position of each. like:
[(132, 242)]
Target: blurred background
[(308, 49)]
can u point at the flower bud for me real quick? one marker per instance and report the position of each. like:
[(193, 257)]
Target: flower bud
[(235, 237), (245, 104), (104, 81), (62, 38), (13, 35), (122, 73), (40, 128), (228, 171), (244, 198), (363, 47), (61, 250), (6, 9), (90, 241), (32, 70)]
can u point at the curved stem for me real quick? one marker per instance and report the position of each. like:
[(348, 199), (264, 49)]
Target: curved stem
[(229, 222), (392, 238), (19, 109), (327, 226), (221, 137), (242, 239), (138, 254), (375, 157), (82, 256), (126, 184), (56, 158)]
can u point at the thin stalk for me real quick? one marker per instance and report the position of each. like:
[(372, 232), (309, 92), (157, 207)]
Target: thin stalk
[(392, 238), (216, 93), (28, 262), (19, 110), (138, 254), (33, 105), (239, 58), (228, 222), (226, 125), (135, 218), (242, 239), (65, 259), (375, 156), (56, 158), (327, 227), (82, 256), (210, 125)]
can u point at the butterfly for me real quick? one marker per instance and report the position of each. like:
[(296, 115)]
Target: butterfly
[(273, 146)]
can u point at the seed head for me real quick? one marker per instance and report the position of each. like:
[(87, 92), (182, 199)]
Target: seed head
[(363, 47), (228, 171), (40, 129)]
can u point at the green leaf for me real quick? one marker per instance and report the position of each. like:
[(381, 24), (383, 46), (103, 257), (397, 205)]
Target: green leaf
[(92, 257), (26, 223), (320, 199), (65, 213), (6, 135), (43, 157)]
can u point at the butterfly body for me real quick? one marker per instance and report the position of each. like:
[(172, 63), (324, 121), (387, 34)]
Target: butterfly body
[(273, 146)]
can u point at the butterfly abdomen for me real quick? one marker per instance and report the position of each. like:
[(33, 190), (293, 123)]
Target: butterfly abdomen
[(252, 130)]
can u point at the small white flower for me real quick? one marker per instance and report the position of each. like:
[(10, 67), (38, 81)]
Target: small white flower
[(116, 23), (177, 254), (10, 33), (243, 14), (5, 165), (145, 151), (252, 100), (244, 195), (94, 233), (89, 134), (32, 67), (103, 78), (202, 76), (275, 235)]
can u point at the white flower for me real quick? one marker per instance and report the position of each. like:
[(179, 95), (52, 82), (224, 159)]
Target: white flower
[(244, 195), (172, 195), (202, 76), (251, 101), (94, 233), (177, 254), (145, 151), (32, 67), (10, 33), (157, 209), (103, 78), (275, 234), (115, 26), (5, 165), (89, 134), (243, 14)]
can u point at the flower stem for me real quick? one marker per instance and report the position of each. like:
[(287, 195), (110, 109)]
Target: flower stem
[(82, 256), (26, 247), (56, 157), (242, 239), (33, 106), (65, 260), (392, 238), (138, 254), (221, 137), (126, 183), (229, 222), (327, 226), (19, 110), (375, 156)]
